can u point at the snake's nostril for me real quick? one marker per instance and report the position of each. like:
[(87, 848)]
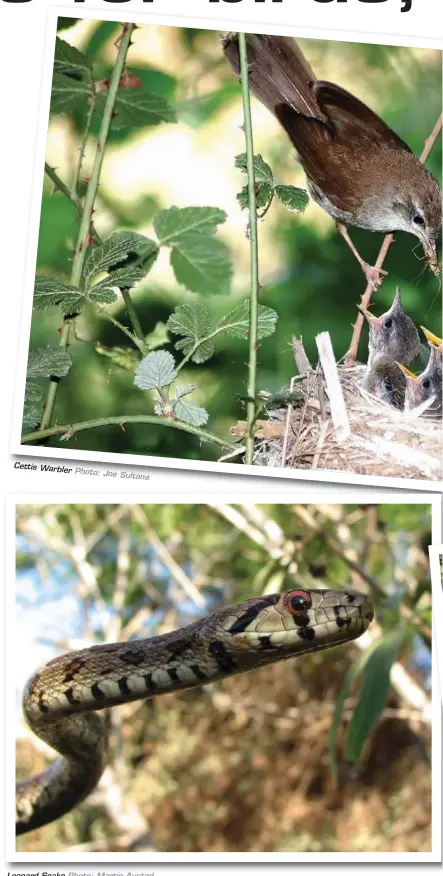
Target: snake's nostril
[(369, 614)]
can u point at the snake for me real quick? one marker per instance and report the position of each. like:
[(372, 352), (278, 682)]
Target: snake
[(61, 699)]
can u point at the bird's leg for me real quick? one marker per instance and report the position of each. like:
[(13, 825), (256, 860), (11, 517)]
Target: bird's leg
[(373, 275)]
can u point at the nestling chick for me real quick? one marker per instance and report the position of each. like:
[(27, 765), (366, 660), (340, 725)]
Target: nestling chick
[(393, 334), (426, 386)]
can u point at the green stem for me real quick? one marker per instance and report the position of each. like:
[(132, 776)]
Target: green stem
[(122, 328), (70, 431), (136, 324), (253, 243), (82, 243), (76, 202), (74, 187)]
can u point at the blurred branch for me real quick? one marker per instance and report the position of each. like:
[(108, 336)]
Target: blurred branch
[(167, 559), (65, 433), (84, 231), (389, 239), (253, 241)]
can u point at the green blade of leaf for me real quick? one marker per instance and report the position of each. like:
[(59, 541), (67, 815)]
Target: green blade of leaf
[(194, 322), (156, 370), (68, 94), (114, 250), (69, 60), (373, 693), (263, 193), (48, 362), (49, 292), (294, 199), (171, 225), (236, 323), (262, 170), (202, 264), (190, 413), (345, 690), (136, 108)]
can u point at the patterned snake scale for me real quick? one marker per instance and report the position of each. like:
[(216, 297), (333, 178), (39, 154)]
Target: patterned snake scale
[(61, 700)]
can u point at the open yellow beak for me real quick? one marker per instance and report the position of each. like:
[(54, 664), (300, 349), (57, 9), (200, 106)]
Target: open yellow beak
[(431, 338), (406, 371)]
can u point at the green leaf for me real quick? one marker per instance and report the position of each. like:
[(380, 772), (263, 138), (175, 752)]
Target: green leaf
[(263, 193), (345, 691), (122, 278), (32, 407), (171, 225), (158, 337), (156, 370), (190, 413), (49, 292), (68, 94), (194, 322), (182, 389), (123, 357), (69, 60), (102, 295), (236, 323), (296, 200), (202, 264), (373, 693), (262, 170), (48, 362), (114, 250), (136, 108)]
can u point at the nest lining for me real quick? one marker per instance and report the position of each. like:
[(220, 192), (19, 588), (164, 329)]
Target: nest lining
[(382, 440)]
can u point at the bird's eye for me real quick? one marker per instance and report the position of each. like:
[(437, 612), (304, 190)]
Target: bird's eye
[(297, 600), (389, 322), (418, 220), (426, 383)]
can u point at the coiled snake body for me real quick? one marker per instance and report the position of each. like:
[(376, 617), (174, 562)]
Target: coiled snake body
[(61, 700)]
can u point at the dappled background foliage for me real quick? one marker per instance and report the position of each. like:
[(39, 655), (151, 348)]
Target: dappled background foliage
[(308, 275), (244, 764)]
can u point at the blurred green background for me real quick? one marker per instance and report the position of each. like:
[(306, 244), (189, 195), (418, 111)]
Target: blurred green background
[(308, 274)]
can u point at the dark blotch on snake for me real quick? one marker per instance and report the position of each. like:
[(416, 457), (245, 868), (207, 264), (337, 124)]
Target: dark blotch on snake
[(173, 674), (222, 657), (177, 649), (265, 643), (308, 634), (131, 656), (97, 693), (198, 672), (43, 708), (123, 686), (301, 619), (245, 619), (69, 694), (351, 596), (150, 684)]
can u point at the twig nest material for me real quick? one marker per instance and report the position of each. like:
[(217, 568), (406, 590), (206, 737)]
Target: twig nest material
[(382, 441)]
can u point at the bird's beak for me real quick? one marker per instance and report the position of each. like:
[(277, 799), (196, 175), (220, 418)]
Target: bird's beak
[(374, 321), (432, 339), (406, 371), (430, 249)]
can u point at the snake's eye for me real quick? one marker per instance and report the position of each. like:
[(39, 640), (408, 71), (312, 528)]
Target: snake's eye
[(426, 383), (298, 600), (388, 322)]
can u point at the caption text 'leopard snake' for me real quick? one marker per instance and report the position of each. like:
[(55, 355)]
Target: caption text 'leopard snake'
[(229, 640)]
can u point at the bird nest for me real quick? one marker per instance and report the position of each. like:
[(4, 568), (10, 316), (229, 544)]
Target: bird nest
[(336, 425)]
